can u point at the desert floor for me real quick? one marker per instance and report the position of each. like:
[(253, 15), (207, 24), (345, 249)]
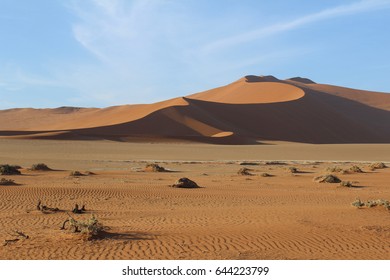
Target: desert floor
[(284, 216)]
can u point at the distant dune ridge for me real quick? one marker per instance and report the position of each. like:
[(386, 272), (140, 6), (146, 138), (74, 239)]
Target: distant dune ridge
[(248, 111)]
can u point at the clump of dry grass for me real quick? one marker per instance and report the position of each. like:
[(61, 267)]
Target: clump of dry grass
[(7, 182), (153, 167), (371, 203), (244, 171), (355, 169), (293, 169), (89, 228), (377, 165), (335, 169), (76, 173), (328, 178), (40, 167), (6, 169), (185, 183), (347, 184)]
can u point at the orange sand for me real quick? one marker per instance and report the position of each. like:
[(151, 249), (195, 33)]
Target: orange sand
[(286, 216)]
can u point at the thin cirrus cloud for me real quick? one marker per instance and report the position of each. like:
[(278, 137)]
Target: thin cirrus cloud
[(344, 10)]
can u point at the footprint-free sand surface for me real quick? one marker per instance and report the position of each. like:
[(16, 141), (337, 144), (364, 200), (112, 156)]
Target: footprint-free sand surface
[(283, 216)]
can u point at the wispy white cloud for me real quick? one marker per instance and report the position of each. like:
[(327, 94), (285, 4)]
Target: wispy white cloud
[(256, 34)]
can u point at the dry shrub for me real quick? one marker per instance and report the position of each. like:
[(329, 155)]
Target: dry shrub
[(89, 228), (347, 184), (293, 169), (244, 171), (371, 203), (335, 169), (40, 167), (76, 173), (377, 165), (185, 183), (7, 182), (355, 169), (153, 167), (6, 169)]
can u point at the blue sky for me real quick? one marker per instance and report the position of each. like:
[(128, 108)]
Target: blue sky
[(97, 53)]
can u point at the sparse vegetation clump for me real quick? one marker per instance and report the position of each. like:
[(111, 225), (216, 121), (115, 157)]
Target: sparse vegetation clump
[(7, 182), (153, 167), (77, 210), (355, 169), (293, 169), (371, 203), (347, 184), (244, 171), (335, 169), (185, 183), (90, 228), (46, 209), (248, 163), (6, 169), (328, 178), (18, 235), (76, 173), (358, 203), (40, 167), (377, 165)]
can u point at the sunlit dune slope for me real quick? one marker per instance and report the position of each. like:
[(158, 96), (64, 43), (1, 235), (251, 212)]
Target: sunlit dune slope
[(248, 111)]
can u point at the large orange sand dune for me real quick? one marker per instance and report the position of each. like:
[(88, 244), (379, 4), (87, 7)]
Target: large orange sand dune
[(248, 111)]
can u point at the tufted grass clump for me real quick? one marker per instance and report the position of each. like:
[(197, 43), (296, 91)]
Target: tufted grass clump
[(358, 203), (6, 169), (76, 173), (335, 169), (355, 169), (347, 184), (328, 178), (40, 167), (371, 203), (292, 169), (244, 171), (154, 167), (185, 183), (90, 228), (377, 165), (7, 182)]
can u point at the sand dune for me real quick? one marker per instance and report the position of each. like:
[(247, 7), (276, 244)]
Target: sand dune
[(248, 111)]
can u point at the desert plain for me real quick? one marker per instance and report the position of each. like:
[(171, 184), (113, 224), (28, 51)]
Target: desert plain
[(285, 132), (231, 216)]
